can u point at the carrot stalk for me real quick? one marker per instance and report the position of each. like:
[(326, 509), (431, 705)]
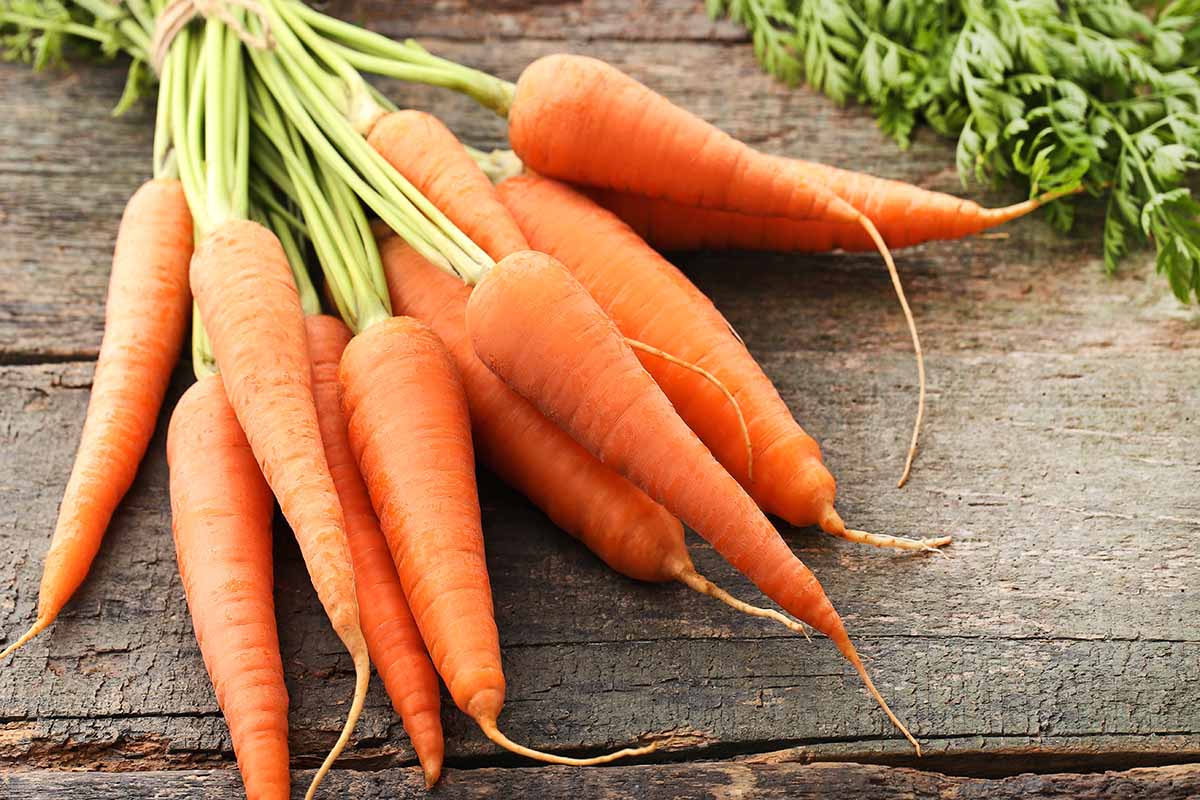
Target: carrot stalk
[(145, 322)]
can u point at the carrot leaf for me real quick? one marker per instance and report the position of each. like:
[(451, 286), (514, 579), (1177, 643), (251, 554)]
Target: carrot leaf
[(1047, 94)]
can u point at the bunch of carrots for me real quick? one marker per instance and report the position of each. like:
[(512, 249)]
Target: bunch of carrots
[(371, 313)]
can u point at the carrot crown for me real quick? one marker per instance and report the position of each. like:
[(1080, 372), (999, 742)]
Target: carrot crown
[(330, 215), (330, 106)]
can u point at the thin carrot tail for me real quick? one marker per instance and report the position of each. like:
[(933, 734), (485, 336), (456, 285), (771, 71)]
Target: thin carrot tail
[(694, 580), (881, 245), (998, 216), (929, 545), (362, 676), (39, 625), (488, 726), (846, 648), (831, 523), (715, 381)]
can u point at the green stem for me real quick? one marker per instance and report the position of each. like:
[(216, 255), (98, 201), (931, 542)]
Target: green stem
[(373, 52), (373, 186), (339, 230)]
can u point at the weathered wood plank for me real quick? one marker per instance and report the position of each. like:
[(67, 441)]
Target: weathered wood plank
[(1003, 638), (1060, 450), (577, 20), (721, 779)]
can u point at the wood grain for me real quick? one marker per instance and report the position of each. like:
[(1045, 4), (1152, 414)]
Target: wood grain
[(1058, 634), (730, 781)]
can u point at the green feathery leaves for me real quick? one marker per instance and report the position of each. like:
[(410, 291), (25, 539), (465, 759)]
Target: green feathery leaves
[(1050, 94)]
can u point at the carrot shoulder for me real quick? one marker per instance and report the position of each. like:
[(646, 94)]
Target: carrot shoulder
[(145, 321), (581, 120), (251, 310), (221, 509), (393, 639)]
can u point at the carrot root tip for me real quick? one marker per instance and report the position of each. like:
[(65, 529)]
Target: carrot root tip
[(846, 647), (927, 545), (694, 580), (39, 625), (490, 730), (362, 675)]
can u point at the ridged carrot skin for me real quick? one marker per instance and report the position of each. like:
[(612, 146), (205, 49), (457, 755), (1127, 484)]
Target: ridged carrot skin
[(527, 318), (581, 120), (431, 157), (145, 320), (221, 509), (251, 311), (613, 518), (410, 431), (410, 434), (393, 639), (905, 215), (609, 259)]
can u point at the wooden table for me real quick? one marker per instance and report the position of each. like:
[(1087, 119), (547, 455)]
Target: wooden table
[(1060, 634)]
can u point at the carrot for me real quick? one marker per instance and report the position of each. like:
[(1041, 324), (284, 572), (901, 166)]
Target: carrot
[(221, 509), (617, 521), (622, 272), (613, 518), (409, 429), (581, 120), (248, 301), (904, 214), (393, 640), (424, 150), (145, 321), (528, 318)]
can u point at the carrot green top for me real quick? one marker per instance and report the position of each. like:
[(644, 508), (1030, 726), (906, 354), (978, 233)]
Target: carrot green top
[(331, 215)]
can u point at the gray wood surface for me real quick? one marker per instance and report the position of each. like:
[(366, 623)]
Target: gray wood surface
[(1061, 451), (728, 781)]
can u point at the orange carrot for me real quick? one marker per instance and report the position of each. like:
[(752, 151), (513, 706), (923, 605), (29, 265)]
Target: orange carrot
[(248, 301), (409, 429), (622, 272), (393, 639), (579, 119), (584, 121), (144, 324), (424, 150), (613, 518), (221, 511), (905, 215), (528, 319), (617, 521)]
